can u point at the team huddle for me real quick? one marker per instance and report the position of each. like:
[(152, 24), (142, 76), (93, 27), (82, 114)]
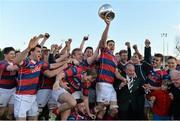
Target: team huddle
[(54, 84)]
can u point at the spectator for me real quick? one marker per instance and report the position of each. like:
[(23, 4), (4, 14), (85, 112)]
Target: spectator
[(162, 102), (175, 89), (131, 96)]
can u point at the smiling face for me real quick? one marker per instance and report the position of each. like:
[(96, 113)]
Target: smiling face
[(130, 70), (157, 62), (135, 59), (172, 63), (78, 55), (10, 56), (88, 52), (175, 77)]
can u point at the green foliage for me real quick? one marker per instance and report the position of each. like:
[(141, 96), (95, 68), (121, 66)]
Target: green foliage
[(1, 55)]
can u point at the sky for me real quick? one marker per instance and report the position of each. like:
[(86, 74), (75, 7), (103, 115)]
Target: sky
[(135, 20)]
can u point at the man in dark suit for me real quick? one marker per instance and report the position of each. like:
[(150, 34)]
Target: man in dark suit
[(175, 89), (130, 96)]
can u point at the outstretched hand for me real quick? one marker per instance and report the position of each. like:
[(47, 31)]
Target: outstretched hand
[(86, 38), (46, 35), (147, 42), (68, 42), (107, 21), (127, 44), (40, 36), (33, 42), (52, 48), (135, 47)]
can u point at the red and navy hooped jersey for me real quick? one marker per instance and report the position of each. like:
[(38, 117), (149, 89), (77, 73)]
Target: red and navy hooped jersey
[(28, 76), (74, 83), (86, 66), (107, 66), (73, 75), (45, 82), (7, 78), (155, 77)]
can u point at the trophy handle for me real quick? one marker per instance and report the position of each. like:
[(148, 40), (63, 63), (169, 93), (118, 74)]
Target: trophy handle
[(109, 16)]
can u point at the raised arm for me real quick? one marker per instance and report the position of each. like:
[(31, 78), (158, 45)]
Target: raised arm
[(137, 51), (51, 58), (91, 59), (104, 35), (85, 38), (128, 49), (32, 43), (67, 47), (147, 51), (57, 49), (45, 37), (64, 49)]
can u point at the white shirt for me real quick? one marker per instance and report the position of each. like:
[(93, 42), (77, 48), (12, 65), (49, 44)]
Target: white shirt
[(129, 82)]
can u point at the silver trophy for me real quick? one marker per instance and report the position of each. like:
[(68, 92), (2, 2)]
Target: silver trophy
[(106, 12)]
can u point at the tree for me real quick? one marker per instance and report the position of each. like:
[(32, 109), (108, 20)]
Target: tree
[(1, 55), (177, 44)]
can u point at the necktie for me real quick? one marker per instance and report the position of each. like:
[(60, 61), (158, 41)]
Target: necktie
[(130, 84)]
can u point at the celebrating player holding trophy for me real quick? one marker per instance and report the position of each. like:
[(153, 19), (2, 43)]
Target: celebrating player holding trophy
[(106, 95)]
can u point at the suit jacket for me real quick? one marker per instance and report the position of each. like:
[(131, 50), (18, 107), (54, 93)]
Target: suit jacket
[(176, 102), (135, 98)]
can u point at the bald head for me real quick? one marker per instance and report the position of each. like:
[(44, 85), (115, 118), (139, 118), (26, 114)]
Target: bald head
[(130, 70), (175, 77)]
